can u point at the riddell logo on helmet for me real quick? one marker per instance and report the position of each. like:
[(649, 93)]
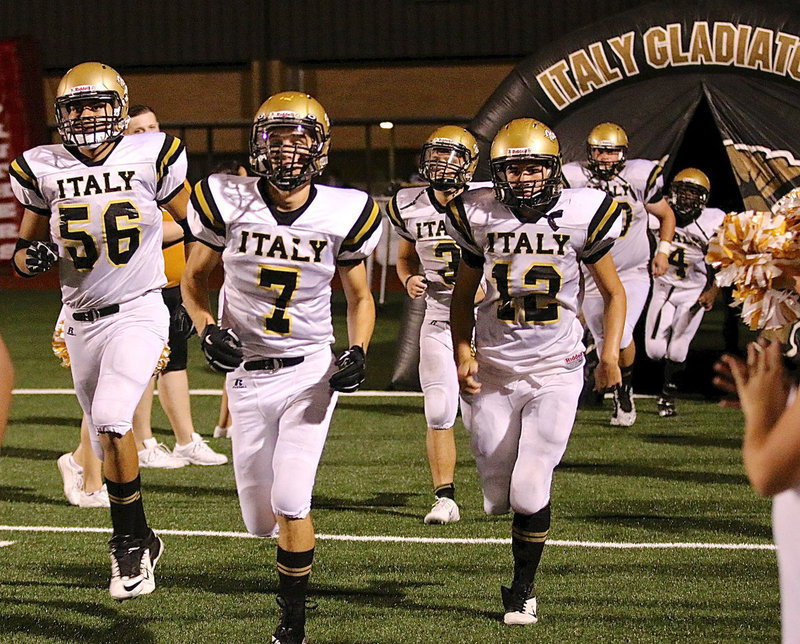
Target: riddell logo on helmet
[(81, 88), (518, 151)]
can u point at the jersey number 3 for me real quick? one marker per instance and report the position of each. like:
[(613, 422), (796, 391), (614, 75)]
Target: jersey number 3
[(540, 307)]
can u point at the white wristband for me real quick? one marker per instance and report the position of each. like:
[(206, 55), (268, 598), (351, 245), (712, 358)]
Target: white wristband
[(664, 247)]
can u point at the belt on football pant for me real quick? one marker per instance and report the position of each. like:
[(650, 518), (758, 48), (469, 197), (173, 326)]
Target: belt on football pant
[(271, 364), (91, 315)]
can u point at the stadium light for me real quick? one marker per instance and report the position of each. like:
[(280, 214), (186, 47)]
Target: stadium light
[(386, 125)]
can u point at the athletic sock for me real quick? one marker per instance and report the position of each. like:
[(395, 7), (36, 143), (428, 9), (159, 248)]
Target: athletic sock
[(447, 490), (294, 569), (127, 510), (528, 535), (672, 370)]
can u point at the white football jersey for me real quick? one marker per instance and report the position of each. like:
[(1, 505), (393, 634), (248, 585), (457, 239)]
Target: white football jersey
[(104, 215), (279, 265), (640, 182), (687, 265), (419, 218), (528, 322)]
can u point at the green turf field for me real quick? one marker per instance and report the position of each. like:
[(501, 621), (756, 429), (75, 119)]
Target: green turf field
[(664, 481)]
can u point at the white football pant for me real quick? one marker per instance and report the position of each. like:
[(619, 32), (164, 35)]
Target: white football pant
[(637, 286), (673, 318), (519, 431), (113, 359), (280, 422), (437, 374)]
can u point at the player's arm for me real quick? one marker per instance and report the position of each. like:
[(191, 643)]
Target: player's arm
[(34, 252), (662, 211), (604, 272), (462, 321), (408, 269), (177, 207), (360, 304), (173, 233), (194, 284)]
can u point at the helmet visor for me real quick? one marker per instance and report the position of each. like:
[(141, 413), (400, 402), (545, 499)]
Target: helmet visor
[(87, 119), (445, 166)]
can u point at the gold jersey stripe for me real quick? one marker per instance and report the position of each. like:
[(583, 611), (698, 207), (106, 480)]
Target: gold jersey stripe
[(607, 217), (168, 158), (206, 205), (356, 239)]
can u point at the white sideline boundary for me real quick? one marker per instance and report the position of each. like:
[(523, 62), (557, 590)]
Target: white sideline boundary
[(425, 540), (3, 544), (218, 392)]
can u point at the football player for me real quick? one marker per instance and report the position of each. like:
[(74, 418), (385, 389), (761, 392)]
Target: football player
[(282, 240), (448, 160), (637, 185), (521, 384), (683, 294), (6, 386), (92, 206), (173, 381)]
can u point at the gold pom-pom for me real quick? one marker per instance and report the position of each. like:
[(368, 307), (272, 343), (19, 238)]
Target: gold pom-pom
[(59, 345), (750, 251), (163, 361)]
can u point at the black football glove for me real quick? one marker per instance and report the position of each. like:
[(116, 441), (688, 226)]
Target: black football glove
[(181, 324), (352, 370), (40, 257), (222, 348)]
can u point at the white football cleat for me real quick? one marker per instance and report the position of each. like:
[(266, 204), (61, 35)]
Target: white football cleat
[(199, 452), (221, 432), (520, 608), (444, 510), (72, 475), (133, 562), (157, 455), (97, 499)]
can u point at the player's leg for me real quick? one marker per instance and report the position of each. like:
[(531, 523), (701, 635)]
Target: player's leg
[(492, 420), (130, 344), (93, 493), (546, 419), (637, 287), (303, 428), (688, 317), (439, 380), (658, 331)]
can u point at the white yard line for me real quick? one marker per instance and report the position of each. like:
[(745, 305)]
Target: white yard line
[(218, 392), (428, 540), (6, 543)]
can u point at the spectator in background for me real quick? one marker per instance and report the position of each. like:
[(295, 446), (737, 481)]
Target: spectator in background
[(173, 381), (6, 385)]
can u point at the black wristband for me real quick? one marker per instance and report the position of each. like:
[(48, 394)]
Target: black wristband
[(405, 284)]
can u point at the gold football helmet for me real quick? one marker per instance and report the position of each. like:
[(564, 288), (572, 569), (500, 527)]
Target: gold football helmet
[(449, 158), (688, 195), (606, 138), (290, 140), (91, 105), (525, 161)]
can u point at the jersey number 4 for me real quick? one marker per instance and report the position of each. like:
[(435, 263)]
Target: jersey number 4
[(282, 280), (122, 238), (678, 260), (540, 307)]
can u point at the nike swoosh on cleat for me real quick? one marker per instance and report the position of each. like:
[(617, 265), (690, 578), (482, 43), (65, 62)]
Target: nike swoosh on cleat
[(133, 586)]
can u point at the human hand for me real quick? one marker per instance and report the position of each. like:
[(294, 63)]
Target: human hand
[(467, 370), (416, 285)]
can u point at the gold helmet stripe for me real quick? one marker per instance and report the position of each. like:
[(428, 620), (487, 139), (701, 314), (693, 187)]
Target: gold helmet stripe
[(168, 154), (206, 208), (365, 225)]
